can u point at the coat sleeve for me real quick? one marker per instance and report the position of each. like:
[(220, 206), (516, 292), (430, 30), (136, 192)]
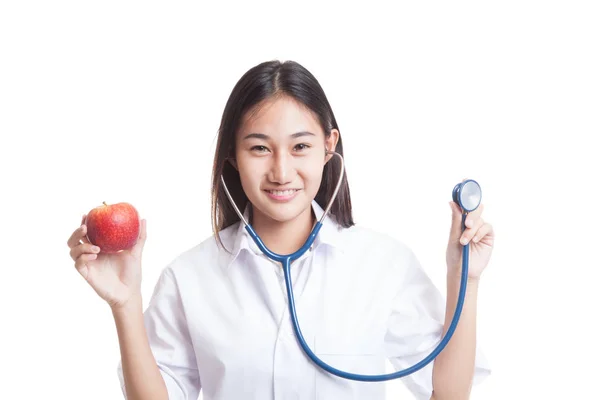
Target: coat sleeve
[(415, 328), (169, 339)]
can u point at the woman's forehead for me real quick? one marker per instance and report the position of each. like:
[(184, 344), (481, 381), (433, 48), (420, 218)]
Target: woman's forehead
[(280, 116)]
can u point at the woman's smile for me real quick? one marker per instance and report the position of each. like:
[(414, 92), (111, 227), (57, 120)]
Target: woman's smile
[(282, 195)]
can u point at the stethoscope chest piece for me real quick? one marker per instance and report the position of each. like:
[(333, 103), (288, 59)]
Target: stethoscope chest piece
[(467, 195)]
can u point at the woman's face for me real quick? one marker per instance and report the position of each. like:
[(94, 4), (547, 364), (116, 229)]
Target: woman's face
[(280, 156)]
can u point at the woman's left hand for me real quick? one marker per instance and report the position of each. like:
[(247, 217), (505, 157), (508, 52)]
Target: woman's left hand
[(478, 233)]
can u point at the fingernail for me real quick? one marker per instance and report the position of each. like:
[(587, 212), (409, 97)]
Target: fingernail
[(463, 241), (95, 249), (475, 239)]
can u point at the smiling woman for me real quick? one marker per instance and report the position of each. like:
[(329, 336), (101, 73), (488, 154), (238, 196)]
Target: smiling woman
[(281, 169), (277, 110), (218, 320), (282, 164)]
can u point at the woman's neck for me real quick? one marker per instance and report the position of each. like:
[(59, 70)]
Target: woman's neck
[(283, 237)]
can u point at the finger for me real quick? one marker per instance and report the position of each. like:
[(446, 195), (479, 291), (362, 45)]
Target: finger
[(81, 263), (142, 237), (79, 234), (84, 248), (469, 233), (456, 227), (76, 236), (139, 246), (484, 234), (84, 239), (473, 216)]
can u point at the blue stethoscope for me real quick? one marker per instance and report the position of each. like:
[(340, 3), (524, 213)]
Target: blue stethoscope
[(466, 194)]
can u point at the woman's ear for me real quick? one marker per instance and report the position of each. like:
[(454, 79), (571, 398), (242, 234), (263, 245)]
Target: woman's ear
[(331, 143)]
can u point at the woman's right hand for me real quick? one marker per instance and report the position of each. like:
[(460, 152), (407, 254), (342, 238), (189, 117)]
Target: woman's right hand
[(116, 277)]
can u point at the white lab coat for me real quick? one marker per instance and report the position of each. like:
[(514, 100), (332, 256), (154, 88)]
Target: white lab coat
[(220, 322)]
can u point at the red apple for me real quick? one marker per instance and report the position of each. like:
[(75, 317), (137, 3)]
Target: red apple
[(113, 227)]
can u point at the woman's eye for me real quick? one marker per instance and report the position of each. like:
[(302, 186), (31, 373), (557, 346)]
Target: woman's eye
[(260, 149), (301, 146)]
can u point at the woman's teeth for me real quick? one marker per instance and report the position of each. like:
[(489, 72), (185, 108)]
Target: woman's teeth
[(282, 192)]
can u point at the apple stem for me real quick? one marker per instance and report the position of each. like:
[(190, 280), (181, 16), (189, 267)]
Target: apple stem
[(104, 203)]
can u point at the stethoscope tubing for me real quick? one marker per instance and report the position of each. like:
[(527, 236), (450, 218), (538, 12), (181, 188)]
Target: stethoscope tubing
[(286, 261)]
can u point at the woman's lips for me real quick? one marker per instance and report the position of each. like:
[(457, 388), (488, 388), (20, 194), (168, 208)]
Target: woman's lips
[(282, 195)]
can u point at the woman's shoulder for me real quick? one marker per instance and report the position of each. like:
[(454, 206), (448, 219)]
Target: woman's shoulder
[(375, 254), (359, 238), (206, 254)]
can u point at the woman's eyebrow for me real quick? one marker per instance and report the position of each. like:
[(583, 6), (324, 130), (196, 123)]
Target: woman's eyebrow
[(256, 136), (266, 137), (303, 133)]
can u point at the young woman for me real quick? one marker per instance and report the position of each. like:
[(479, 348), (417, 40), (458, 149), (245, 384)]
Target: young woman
[(218, 319)]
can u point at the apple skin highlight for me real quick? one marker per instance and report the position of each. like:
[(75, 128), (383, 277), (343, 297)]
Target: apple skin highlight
[(113, 227)]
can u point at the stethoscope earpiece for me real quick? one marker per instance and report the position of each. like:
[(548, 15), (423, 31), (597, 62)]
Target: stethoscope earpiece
[(467, 195)]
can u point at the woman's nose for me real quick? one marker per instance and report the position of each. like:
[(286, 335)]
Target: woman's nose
[(282, 169)]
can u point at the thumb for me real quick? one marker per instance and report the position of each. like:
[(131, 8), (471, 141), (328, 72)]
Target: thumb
[(456, 227), (139, 246)]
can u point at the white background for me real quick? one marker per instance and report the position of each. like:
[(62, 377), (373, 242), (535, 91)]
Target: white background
[(121, 101)]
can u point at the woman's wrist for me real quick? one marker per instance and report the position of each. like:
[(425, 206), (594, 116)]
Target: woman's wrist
[(133, 305)]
